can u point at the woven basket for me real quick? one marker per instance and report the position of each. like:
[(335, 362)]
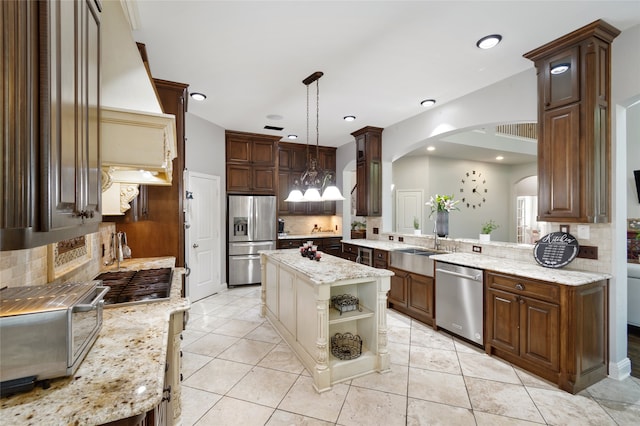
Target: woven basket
[(346, 346)]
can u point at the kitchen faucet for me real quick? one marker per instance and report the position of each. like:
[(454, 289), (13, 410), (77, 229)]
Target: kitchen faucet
[(436, 243)]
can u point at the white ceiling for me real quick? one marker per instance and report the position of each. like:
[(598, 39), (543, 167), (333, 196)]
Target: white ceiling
[(379, 58)]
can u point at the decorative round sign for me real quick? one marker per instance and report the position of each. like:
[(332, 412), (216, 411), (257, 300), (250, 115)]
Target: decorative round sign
[(556, 250)]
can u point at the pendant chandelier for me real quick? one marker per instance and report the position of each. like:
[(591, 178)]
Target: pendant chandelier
[(314, 180)]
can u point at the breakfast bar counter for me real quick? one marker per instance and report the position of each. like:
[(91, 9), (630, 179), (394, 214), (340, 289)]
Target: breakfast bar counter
[(122, 376), (300, 299)]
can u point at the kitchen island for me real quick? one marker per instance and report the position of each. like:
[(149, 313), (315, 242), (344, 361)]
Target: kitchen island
[(297, 300), (123, 375)]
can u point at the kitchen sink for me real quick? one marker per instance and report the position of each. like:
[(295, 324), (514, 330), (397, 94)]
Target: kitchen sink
[(413, 260)]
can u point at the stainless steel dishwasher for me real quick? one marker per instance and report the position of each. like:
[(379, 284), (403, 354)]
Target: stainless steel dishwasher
[(459, 295)]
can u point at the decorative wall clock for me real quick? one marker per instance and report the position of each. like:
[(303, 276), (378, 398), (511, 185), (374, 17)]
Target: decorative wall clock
[(473, 189)]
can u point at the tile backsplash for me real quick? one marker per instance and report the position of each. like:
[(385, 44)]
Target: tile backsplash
[(303, 225), (37, 266)]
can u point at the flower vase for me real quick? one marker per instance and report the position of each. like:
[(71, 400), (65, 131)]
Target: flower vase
[(442, 223)]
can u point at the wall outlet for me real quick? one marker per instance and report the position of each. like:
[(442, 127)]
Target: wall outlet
[(401, 239), (390, 237), (477, 249), (588, 252), (376, 231)]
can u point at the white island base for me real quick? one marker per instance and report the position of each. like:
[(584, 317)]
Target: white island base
[(296, 299)]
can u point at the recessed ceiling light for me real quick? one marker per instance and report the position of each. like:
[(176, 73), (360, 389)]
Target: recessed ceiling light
[(560, 68), (499, 158), (349, 117), (292, 137), (431, 148), (489, 41), (198, 96), (428, 102)]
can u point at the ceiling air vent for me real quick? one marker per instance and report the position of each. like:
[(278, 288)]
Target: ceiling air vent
[(274, 128)]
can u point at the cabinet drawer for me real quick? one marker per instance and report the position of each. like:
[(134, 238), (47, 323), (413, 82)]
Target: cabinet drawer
[(381, 255), (524, 287), (287, 244), (350, 249)]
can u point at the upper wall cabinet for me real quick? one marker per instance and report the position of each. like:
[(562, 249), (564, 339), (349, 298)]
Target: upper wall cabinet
[(51, 183), (574, 146), (251, 163), (368, 171)]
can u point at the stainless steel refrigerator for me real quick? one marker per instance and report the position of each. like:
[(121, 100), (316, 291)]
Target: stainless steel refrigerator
[(252, 227)]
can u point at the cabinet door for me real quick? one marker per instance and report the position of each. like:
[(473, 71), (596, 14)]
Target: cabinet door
[(503, 321), (332, 246), (263, 180), (70, 105), (361, 190), (263, 152), (559, 159), (540, 332), (238, 149), (283, 192), (420, 297), (398, 290), (238, 178), (90, 82), (561, 78)]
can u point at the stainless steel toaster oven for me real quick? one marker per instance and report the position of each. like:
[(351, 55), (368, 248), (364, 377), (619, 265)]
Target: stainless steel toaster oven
[(46, 331)]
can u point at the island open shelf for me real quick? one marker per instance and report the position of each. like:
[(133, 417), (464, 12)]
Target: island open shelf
[(296, 300)]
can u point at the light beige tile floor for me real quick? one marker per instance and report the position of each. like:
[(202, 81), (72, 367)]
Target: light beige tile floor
[(238, 371)]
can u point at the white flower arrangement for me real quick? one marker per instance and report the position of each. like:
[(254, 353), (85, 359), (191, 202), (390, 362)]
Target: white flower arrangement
[(442, 203)]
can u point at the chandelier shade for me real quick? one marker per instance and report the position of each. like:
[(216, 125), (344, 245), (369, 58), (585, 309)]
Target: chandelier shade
[(314, 180)]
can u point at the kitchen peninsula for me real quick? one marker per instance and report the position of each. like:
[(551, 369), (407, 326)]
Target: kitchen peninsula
[(126, 373), (297, 300)]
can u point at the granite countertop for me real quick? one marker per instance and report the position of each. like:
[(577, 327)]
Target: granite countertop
[(123, 373), (381, 245), (308, 236), (522, 269), (328, 270)]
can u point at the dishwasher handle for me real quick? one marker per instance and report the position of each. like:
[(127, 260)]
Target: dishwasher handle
[(458, 274)]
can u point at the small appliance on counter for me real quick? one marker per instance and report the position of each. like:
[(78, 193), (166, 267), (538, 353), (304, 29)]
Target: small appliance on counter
[(281, 226), (46, 331)]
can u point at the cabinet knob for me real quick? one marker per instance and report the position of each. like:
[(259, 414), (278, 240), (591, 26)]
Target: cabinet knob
[(519, 287), (195, 245)]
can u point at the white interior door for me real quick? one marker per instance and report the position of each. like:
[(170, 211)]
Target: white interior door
[(202, 234), (409, 205)]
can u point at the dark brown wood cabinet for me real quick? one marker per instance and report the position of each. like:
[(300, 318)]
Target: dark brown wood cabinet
[(556, 331), (412, 294), (368, 171), (380, 259), (574, 146), (251, 163), (349, 251), (292, 162), (50, 182), (328, 245)]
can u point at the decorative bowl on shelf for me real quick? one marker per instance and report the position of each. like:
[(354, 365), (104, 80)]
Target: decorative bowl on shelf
[(345, 346)]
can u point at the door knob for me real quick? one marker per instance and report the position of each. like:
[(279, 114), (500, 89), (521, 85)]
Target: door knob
[(195, 245)]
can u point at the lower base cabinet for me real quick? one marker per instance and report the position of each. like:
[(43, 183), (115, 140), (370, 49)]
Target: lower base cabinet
[(558, 332), (412, 294)]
